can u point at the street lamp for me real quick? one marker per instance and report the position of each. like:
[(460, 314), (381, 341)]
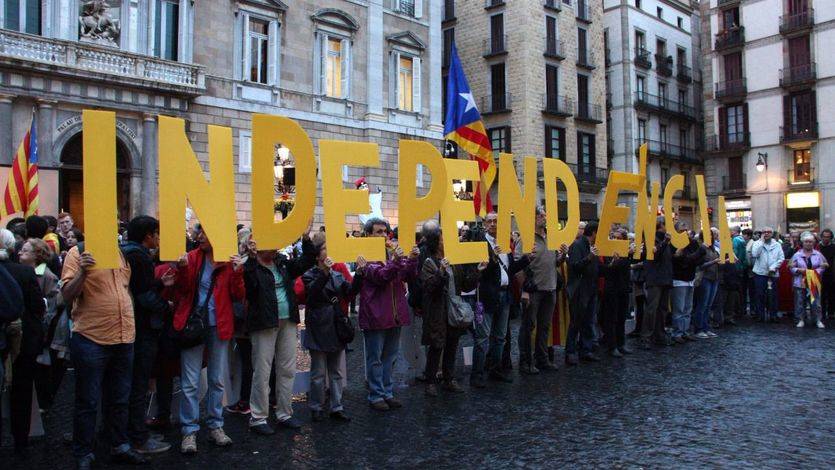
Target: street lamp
[(762, 161)]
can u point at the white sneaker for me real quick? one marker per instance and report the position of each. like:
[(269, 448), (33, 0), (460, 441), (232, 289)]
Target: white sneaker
[(189, 444), (800, 324), (711, 334), (820, 325), (219, 438), (702, 335)]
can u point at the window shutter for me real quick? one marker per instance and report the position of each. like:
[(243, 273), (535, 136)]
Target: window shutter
[(507, 147), (244, 153), (561, 133), (318, 71), (237, 51), (393, 79), (418, 8), (723, 126), (416, 85), (183, 34), (548, 150), (787, 114), (813, 111), (272, 54), (346, 69), (245, 48), (746, 137)]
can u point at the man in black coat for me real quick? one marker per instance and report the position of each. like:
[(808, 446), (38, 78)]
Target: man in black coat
[(615, 271), (150, 310), (827, 249), (658, 280), (583, 265), (24, 366)]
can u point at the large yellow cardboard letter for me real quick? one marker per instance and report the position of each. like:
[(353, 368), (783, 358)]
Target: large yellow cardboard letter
[(181, 179), (726, 246), (615, 213), (338, 201), (453, 210), (267, 131), (100, 221), (513, 202), (553, 170), (412, 209), (702, 195), (645, 219), (676, 184)]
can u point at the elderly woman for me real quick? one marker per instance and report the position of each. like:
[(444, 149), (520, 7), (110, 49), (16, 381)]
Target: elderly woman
[(325, 288), (439, 282), (807, 266)]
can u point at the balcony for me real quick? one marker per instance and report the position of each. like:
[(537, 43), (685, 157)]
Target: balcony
[(664, 65), (405, 7), (684, 73), (495, 46), (20, 51), (582, 12), (589, 112), (798, 76), (494, 104), (490, 4), (589, 178), (800, 175), (731, 90), (557, 105), (797, 23), (799, 133), (553, 5), (728, 3), (554, 49), (586, 60), (734, 143), (669, 151), (734, 183), (730, 39), (642, 58), (664, 106)]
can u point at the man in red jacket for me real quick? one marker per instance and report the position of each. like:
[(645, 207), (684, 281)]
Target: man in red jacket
[(211, 286)]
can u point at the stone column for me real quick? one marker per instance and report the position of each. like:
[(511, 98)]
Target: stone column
[(46, 125), (7, 146), (148, 196), (376, 59)]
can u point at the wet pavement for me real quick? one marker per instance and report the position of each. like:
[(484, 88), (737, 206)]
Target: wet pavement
[(757, 396)]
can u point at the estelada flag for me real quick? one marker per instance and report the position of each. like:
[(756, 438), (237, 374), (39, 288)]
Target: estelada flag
[(21, 193), (813, 284), (463, 125)]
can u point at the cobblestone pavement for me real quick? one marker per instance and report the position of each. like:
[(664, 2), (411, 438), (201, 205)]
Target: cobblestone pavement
[(757, 396)]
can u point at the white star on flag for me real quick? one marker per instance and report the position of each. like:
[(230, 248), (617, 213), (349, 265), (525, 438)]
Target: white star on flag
[(470, 101)]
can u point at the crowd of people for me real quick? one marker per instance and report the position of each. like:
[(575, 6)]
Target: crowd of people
[(148, 322)]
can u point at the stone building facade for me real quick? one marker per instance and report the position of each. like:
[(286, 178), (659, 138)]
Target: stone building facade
[(536, 70), (654, 91), (360, 70), (770, 85)]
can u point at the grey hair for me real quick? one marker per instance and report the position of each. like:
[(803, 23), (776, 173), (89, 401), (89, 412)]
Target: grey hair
[(7, 243), (807, 236), (766, 228), (370, 223)]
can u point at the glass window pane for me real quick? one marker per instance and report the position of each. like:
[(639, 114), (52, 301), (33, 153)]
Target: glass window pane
[(333, 73), (11, 14), (405, 84), (33, 16), (172, 19), (258, 26), (253, 59), (262, 60)]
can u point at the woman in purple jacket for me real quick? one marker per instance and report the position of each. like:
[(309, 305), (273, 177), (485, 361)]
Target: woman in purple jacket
[(805, 259)]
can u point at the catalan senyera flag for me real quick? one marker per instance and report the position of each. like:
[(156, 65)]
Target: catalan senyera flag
[(463, 125), (21, 193), (813, 284)]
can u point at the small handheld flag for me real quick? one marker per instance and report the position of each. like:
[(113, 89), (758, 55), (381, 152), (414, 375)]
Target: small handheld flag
[(21, 193)]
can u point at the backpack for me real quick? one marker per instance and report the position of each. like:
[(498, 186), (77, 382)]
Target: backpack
[(11, 297)]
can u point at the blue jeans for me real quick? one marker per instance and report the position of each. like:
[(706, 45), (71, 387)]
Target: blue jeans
[(100, 369), (801, 300), (681, 299), (765, 299), (489, 334), (705, 294), (381, 347), (191, 363)]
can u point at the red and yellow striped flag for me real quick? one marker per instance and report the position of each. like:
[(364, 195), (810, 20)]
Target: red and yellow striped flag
[(21, 193)]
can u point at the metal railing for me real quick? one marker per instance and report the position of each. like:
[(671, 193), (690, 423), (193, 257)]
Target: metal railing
[(589, 174), (730, 38), (723, 3), (589, 112), (801, 174), (684, 73), (797, 21), (406, 7), (552, 4), (664, 64), (495, 103), (586, 59), (642, 58), (799, 132), (736, 88), (667, 150), (729, 141), (557, 104), (798, 75), (495, 45), (493, 3), (554, 48), (734, 183), (664, 104)]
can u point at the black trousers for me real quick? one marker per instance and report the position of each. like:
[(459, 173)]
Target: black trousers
[(23, 380), (144, 353), (244, 346), (827, 297), (640, 301), (613, 317), (447, 353)]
